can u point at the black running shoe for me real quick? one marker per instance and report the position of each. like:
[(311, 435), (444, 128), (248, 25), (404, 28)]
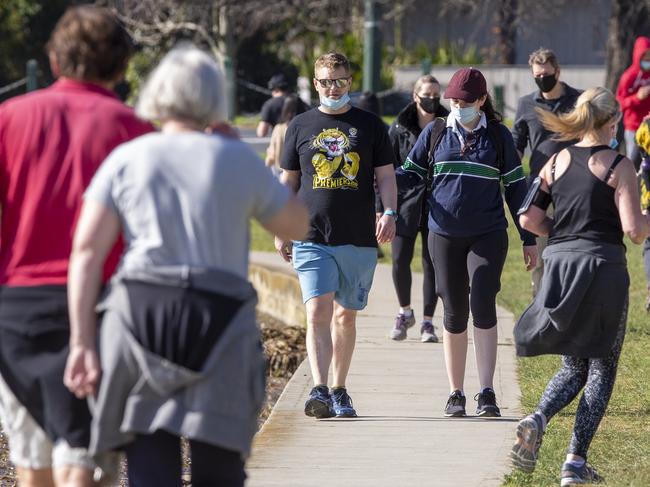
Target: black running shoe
[(487, 404), (319, 404), (455, 407)]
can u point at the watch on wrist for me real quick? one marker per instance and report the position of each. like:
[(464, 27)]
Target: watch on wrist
[(392, 213)]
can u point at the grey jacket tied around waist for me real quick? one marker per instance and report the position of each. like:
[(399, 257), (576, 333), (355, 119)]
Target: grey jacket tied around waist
[(141, 392), (580, 304)]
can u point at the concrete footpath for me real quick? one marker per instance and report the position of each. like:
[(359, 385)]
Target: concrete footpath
[(399, 389)]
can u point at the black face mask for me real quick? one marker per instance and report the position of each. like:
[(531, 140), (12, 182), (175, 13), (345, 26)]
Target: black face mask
[(429, 105), (546, 83)]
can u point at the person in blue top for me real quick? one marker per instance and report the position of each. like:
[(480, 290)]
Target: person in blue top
[(468, 241)]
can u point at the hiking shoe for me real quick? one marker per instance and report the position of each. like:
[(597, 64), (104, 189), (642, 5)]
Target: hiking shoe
[(402, 322), (529, 440), (428, 333), (487, 404), (319, 404), (455, 407), (572, 475), (342, 403)]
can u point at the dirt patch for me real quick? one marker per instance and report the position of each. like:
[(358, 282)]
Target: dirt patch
[(284, 346)]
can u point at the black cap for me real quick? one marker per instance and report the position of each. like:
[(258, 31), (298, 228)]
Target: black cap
[(278, 82)]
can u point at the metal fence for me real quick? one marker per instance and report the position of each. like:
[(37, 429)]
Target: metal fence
[(30, 81)]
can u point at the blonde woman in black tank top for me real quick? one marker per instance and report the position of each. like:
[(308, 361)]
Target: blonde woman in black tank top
[(595, 196)]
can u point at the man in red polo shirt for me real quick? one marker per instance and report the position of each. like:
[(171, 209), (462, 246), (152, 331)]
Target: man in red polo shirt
[(51, 143)]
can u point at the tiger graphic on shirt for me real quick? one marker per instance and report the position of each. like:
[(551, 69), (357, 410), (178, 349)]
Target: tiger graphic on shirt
[(334, 155)]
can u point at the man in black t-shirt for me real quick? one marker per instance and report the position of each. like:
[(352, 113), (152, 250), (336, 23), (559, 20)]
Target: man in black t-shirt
[(527, 130), (332, 155), (272, 108)]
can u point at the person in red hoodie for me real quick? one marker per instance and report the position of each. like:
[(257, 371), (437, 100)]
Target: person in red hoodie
[(633, 93)]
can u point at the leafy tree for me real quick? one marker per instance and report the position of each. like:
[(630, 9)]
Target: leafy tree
[(25, 26)]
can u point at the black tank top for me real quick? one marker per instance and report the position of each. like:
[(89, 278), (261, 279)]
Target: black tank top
[(584, 205)]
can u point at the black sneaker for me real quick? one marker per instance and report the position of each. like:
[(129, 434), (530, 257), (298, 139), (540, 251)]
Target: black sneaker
[(319, 404), (455, 407), (487, 404)]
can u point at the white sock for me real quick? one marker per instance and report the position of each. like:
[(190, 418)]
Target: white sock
[(406, 311), (575, 462)]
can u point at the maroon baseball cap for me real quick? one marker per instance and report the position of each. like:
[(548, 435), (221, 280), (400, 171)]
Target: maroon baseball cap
[(467, 84)]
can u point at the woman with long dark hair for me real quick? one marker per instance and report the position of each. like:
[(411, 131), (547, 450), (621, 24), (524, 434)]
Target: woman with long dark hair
[(473, 154), (290, 108)]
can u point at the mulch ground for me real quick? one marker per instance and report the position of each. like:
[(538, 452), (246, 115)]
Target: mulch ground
[(284, 346)]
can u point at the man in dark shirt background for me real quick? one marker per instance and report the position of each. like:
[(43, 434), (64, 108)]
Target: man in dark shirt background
[(555, 96), (272, 108)]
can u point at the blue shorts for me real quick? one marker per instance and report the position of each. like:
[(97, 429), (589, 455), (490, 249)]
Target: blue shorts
[(345, 270)]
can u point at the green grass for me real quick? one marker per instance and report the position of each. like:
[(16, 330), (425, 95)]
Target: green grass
[(621, 448)]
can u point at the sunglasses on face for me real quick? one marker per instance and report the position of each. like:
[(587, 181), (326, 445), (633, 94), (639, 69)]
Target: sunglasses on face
[(338, 82)]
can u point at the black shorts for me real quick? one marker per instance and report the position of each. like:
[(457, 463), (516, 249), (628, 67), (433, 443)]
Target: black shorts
[(34, 338), (468, 277)]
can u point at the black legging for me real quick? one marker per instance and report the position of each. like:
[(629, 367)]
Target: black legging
[(469, 266), (155, 461), (402, 252), (597, 376)]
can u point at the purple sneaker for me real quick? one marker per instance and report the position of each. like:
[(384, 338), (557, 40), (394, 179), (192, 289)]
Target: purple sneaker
[(428, 333), (402, 322)]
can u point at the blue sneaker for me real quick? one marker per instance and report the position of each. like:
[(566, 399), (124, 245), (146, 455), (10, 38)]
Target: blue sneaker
[(319, 404), (342, 403), (572, 475)]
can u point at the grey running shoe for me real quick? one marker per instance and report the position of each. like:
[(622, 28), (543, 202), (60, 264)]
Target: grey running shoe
[(455, 407), (428, 333), (402, 322), (487, 404), (572, 475), (529, 440)]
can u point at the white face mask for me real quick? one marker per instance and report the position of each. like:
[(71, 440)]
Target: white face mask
[(333, 103), (464, 115)]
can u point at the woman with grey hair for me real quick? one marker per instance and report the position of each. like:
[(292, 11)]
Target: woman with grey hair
[(179, 349)]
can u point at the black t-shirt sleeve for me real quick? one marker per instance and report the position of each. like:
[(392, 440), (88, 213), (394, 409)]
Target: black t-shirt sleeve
[(383, 153), (290, 159), (266, 114)]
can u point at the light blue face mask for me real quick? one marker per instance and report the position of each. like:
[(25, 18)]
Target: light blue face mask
[(464, 115), (333, 103), (613, 143), (645, 65)]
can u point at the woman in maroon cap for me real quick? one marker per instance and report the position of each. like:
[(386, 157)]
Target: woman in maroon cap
[(473, 154)]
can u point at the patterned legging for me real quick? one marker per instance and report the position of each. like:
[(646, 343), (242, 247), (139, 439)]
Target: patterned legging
[(597, 376)]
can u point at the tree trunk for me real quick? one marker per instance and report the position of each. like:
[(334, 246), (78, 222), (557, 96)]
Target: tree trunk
[(628, 20), (506, 30)]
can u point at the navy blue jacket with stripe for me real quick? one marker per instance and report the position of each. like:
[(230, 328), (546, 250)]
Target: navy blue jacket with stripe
[(466, 198)]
